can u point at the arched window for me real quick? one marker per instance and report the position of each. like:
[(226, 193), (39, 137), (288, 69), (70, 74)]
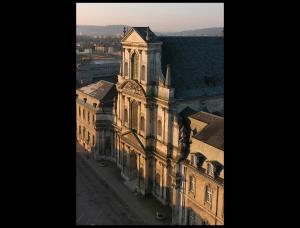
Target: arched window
[(208, 194), (134, 115), (143, 71), (142, 128), (126, 69), (134, 66), (125, 115), (159, 127)]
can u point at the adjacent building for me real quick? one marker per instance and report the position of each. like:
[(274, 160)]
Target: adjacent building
[(94, 109), (202, 189)]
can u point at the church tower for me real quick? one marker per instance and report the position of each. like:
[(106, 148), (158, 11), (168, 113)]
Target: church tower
[(143, 113)]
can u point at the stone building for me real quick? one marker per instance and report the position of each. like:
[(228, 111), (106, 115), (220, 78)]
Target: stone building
[(202, 188), (159, 78), (94, 116)]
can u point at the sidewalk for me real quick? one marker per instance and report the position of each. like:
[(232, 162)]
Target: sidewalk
[(145, 208)]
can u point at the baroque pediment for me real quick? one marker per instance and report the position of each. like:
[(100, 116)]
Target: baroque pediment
[(133, 88)]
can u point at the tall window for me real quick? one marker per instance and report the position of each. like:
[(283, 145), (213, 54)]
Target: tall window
[(210, 169), (88, 137), (134, 115), (159, 127), (134, 66), (191, 216), (79, 130), (84, 114), (125, 115), (79, 111), (208, 194), (142, 124), (89, 117), (143, 71), (141, 176), (126, 69), (192, 184), (157, 183), (84, 132), (93, 119), (93, 140)]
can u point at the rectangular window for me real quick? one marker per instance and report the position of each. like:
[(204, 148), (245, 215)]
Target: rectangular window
[(191, 216), (93, 140), (192, 184), (89, 117), (208, 194)]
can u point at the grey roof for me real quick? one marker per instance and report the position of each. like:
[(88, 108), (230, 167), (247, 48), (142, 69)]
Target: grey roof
[(142, 31), (99, 89), (213, 133), (196, 63)]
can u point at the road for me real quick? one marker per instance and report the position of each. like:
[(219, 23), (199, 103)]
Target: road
[(96, 203)]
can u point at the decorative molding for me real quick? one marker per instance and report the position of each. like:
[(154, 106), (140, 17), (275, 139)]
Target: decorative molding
[(134, 88)]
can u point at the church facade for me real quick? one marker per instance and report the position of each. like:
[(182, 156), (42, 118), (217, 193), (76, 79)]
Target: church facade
[(159, 78)]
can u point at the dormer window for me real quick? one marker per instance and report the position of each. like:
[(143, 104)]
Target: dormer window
[(94, 105), (199, 159), (210, 169), (84, 99)]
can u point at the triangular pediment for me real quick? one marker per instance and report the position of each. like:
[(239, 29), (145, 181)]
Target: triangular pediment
[(132, 139), (133, 37)]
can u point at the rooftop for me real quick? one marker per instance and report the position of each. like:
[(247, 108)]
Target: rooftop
[(196, 64), (213, 133), (98, 89)]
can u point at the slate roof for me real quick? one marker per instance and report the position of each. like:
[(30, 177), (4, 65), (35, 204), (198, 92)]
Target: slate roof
[(196, 63), (213, 133), (142, 31), (98, 90)]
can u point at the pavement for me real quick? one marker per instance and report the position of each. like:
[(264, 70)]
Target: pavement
[(103, 198)]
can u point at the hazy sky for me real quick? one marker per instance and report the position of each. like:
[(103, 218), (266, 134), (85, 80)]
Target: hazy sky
[(166, 17)]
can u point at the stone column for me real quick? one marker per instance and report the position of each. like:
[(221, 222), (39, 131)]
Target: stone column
[(138, 168), (164, 125), (139, 118), (165, 183), (140, 65)]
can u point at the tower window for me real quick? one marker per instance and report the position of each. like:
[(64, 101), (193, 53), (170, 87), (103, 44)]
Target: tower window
[(126, 69), (142, 123), (143, 71), (134, 115), (125, 116), (134, 66), (159, 127)]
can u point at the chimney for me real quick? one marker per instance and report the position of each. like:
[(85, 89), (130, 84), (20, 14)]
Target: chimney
[(168, 77)]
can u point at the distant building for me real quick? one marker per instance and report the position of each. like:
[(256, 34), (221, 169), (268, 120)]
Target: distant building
[(94, 112)]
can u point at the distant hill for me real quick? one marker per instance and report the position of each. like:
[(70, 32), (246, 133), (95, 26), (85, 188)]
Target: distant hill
[(91, 30), (117, 30), (216, 31)]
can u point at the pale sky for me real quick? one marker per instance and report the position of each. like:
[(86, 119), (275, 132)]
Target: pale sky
[(165, 17)]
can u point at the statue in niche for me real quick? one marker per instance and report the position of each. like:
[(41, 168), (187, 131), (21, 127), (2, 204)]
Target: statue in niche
[(184, 139)]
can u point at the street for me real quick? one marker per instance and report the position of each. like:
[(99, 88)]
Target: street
[(96, 203)]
